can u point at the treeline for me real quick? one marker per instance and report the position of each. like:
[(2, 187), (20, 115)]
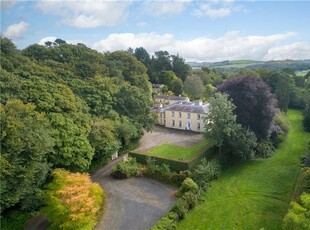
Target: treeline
[(65, 106)]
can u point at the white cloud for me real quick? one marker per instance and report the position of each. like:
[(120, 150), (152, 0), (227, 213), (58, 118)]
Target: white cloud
[(159, 8), (47, 39), (230, 46), (298, 50), (88, 13), (150, 41), (52, 39), (217, 9), (15, 31)]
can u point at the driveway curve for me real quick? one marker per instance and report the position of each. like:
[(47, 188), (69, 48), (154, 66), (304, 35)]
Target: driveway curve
[(133, 204)]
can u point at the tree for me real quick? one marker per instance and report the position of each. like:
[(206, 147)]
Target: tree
[(177, 86), (104, 140), (194, 88), (142, 55), (255, 104), (281, 85), (26, 141), (180, 68), (306, 121), (72, 201), (223, 130), (209, 90)]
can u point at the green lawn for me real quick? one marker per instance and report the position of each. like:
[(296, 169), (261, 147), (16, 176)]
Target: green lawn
[(174, 152), (256, 194)]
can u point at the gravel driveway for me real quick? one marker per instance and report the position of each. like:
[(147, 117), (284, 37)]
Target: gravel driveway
[(161, 135), (134, 203)]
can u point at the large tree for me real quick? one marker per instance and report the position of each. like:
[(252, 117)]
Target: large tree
[(26, 141), (194, 88), (306, 120), (222, 129), (281, 85), (181, 69), (255, 104)]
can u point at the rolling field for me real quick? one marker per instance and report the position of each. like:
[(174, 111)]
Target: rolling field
[(256, 194), (175, 152)]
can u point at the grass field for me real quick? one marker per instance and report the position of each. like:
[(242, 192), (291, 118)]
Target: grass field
[(256, 194), (174, 152)]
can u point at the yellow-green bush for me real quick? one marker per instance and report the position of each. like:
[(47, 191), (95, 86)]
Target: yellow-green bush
[(72, 201)]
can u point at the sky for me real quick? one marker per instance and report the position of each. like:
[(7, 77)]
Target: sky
[(201, 31)]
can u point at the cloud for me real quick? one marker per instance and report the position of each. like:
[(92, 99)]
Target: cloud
[(159, 8), (88, 13), (15, 31), (150, 41), (295, 51), (52, 39), (231, 46), (217, 9)]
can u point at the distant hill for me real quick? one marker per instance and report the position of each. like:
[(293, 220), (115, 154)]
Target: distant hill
[(296, 65)]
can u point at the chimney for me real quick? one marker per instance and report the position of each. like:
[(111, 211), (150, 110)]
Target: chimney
[(198, 103)]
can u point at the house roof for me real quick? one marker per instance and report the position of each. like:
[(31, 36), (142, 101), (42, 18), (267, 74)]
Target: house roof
[(166, 97), (189, 107), (157, 85)]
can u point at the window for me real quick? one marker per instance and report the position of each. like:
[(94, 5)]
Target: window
[(172, 115), (198, 116), (180, 114), (160, 115), (173, 124), (198, 126), (188, 115), (180, 124)]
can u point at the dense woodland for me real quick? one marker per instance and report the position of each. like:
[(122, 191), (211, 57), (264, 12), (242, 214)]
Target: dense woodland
[(68, 106)]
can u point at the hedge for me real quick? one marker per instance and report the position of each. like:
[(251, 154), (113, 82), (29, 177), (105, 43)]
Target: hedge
[(175, 165)]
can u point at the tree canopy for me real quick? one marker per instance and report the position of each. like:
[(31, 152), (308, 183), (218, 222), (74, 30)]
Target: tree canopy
[(75, 107), (223, 130), (255, 104)]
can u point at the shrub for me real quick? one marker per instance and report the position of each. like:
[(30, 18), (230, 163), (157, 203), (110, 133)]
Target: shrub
[(72, 201), (164, 173), (180, 208), (298, 215), (168, 222), (264, 149), (188, 185), (206, 171), (151, 165), (306, 182), (126, 169), (191, 199)]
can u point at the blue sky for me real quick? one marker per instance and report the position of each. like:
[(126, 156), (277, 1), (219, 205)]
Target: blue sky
[(197, 30)]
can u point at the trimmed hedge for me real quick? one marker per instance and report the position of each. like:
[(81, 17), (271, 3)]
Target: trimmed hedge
[(175, 165)]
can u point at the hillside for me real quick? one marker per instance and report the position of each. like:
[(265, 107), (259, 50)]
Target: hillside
[(296, 65)]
